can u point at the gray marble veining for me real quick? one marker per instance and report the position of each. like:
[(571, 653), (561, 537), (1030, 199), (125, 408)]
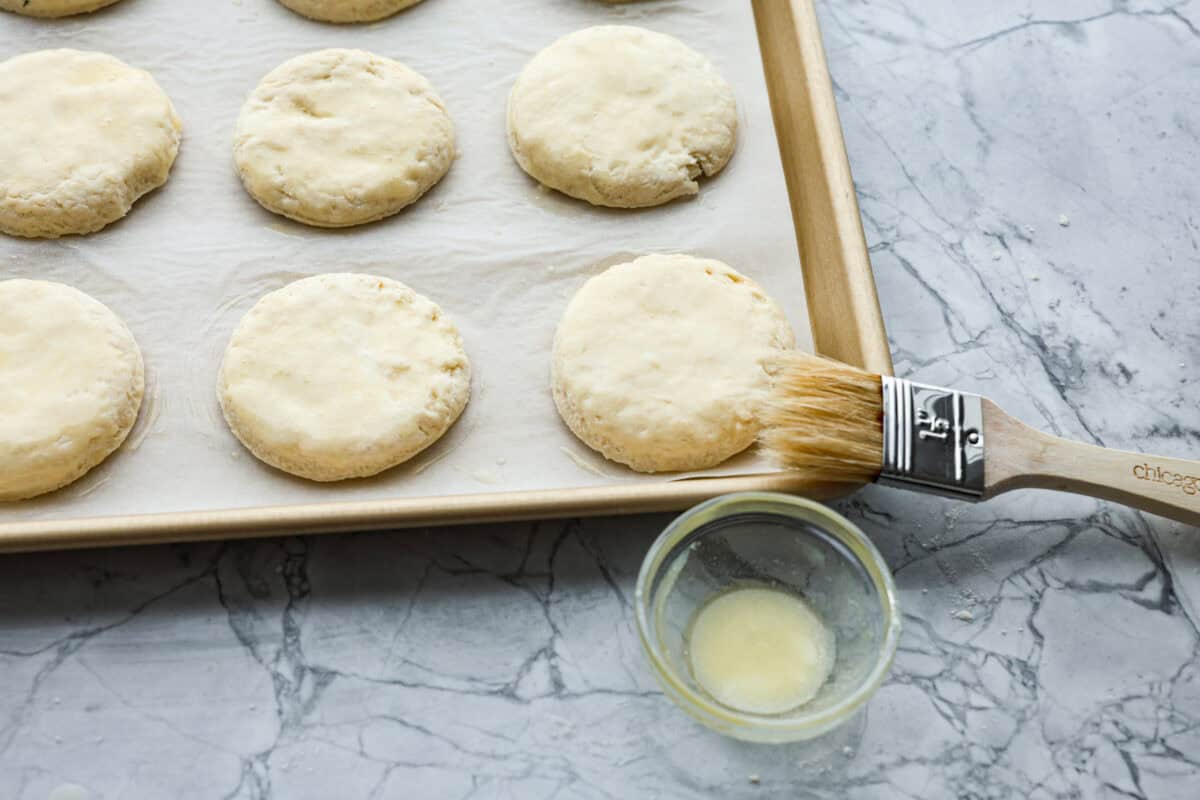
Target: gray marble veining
[(1028, 174)]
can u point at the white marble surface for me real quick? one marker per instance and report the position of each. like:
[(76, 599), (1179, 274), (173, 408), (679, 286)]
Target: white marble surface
[(1029, 176)]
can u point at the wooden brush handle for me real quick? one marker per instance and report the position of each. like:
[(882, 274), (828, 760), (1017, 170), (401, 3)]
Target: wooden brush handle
[(1019, 457)]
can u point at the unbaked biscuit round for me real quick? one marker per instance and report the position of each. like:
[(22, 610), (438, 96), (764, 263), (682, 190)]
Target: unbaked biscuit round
[(72, 381), (343, 376), (83, 136), (342, 137), (53, 8), (621, 116), (348, 10), (661, 363)]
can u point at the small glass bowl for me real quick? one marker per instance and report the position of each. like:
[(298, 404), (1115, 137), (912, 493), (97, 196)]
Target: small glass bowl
[(769, 540)]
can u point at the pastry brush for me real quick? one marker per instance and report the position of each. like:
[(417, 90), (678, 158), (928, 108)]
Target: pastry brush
[(847, 425)]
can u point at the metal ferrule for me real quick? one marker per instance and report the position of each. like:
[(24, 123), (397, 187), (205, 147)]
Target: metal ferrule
[(932, 439)]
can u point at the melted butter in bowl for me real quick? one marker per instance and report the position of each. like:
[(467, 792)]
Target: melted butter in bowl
[(767, 617), (760, 650)]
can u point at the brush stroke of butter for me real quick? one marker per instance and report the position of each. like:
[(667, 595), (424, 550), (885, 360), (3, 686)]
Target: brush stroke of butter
[(583, 463), (760, 651)]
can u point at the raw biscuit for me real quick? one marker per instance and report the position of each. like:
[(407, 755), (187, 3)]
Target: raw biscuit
[(53, 8), (83, 136), (342, 137), (661, 363), (342, 376), (72, 379), (621, 116), (348, 10)]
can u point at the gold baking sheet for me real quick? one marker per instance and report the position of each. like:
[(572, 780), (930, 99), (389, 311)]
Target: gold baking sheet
[(500, 256)]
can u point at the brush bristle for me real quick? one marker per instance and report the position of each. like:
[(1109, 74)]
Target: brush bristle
[(826, 418)]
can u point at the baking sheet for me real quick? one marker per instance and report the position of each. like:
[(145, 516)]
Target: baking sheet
[(500, 255)]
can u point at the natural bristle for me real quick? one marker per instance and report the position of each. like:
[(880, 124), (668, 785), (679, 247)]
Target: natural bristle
[(826, 418)]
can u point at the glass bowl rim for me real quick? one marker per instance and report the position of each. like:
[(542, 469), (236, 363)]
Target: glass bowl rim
[(720, 716)]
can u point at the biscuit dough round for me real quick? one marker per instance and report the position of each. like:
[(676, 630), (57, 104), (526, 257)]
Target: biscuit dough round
[(348, 10), (83, 136), (661, 363), (72, 379), (343, 376), (621, 116), (342, 137), (53, 8)]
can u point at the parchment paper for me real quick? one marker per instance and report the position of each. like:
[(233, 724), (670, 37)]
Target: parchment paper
[(500, 255)]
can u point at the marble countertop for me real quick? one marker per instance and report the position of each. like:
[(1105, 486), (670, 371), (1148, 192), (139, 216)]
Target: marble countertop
[(1028, 175)]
